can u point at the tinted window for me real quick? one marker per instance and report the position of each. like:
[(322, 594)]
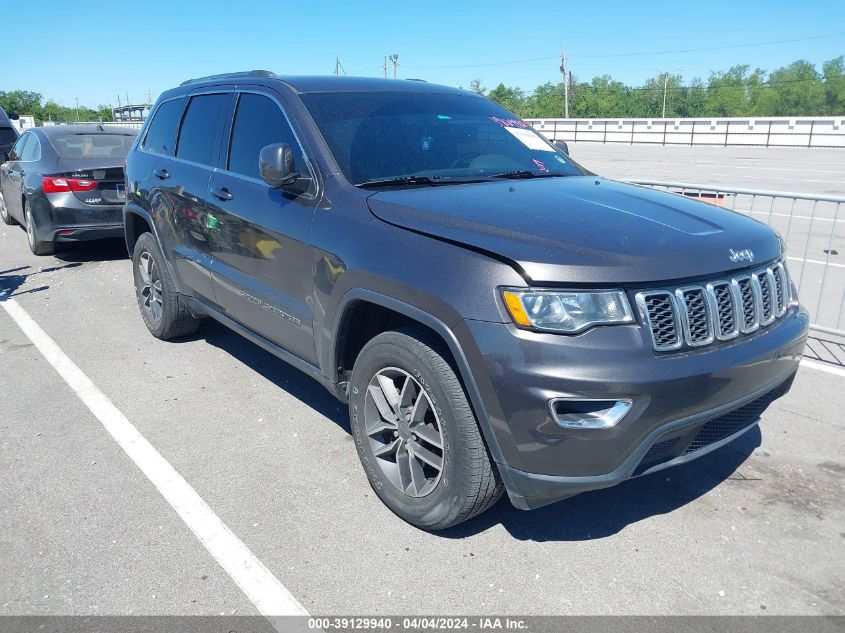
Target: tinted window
[(259, 122), (17, 150), (198, 135), (379, 135), (92, 145), (7, 136), (32, 151), (161, 135)]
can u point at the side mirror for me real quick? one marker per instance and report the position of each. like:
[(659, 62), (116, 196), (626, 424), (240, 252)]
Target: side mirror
[(14, 116), (562, 146), (275, 164)]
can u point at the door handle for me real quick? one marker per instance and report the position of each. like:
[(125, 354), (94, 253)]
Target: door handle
[(162, 173), (222, 193)]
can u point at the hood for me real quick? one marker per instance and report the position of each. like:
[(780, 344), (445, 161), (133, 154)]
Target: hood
[(582, 229)]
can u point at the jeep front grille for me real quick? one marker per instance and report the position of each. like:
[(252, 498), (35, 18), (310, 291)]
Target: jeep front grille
[(699, 314)]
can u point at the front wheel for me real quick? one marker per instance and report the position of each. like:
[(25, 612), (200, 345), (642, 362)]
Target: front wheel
[(416, 434), (162, 307)]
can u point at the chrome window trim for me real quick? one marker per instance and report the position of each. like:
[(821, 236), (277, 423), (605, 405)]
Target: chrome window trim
[(640, 299), (148, 122), (714, 306), (681, 302)]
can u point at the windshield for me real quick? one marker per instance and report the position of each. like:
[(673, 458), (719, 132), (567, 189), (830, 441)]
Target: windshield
[(383, 135), (92, 145)]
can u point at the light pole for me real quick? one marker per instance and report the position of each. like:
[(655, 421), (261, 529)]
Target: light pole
[(77, 109), (666, 86)]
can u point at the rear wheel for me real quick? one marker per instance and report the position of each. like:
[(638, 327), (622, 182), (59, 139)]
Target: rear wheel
[(4, 212), (36, 244), (162, 307), (416, 434)]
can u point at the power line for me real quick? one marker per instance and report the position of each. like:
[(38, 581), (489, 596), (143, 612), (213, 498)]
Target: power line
[(634, 54)]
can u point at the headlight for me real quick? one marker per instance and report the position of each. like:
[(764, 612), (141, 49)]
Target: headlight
[(566, 311)]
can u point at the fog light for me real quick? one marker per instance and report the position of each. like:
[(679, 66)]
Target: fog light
[(588, 414)]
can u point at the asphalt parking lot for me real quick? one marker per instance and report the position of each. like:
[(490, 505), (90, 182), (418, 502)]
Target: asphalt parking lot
[(755, 528)]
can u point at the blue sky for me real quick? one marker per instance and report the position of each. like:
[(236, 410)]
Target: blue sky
[(87, 51)]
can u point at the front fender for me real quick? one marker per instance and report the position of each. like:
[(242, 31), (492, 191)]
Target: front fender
[(455, 335)]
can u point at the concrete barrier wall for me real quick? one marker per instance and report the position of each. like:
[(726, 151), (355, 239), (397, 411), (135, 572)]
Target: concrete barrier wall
[(766, 132)]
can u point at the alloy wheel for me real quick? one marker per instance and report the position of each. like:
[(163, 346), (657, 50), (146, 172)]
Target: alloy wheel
[(150, 287), (30, 228), (404, 432)]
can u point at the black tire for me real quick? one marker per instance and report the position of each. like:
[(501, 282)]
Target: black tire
[(173, 317), (4, 212), (469, 483), (36, 244)]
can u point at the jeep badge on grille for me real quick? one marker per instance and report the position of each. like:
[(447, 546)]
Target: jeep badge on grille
[(746, 255)]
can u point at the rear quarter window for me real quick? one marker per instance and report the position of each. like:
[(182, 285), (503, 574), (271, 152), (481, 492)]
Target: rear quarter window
[(32, 150), (161, 135)]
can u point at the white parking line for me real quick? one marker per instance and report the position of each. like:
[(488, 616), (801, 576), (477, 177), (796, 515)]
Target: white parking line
[(263, 589), (816, 261), (809, 363), (787, 215)]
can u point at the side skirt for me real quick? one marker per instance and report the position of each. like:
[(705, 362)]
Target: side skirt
[(200, 308)]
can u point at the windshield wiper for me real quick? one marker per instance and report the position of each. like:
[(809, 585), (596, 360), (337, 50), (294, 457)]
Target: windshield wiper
[(399, 181), (527, 173)]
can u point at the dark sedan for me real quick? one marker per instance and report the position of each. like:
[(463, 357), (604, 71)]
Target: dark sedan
[(65, 184)]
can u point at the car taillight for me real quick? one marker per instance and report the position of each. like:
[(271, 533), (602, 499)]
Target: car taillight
[(53, 184)]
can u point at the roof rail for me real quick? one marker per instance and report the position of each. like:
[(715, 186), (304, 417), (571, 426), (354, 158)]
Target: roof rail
[(245, 73)]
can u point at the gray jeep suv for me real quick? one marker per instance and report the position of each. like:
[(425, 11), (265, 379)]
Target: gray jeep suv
[(497, 317)]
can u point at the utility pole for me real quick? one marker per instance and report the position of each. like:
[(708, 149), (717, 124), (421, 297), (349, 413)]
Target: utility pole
[(336, 66), (665, 85), (385, 66), (394, 61), (77, 109), (564, 71), (149, 98)]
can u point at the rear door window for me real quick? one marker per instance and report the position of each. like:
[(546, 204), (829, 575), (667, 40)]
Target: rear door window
[(198, 134), (258, 122), (161, 135)]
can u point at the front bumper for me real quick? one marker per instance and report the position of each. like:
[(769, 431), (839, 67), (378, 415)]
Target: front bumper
[(674, 396)]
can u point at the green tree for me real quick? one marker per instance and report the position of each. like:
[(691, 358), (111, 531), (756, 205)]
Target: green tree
[(798, 90), (510, 98), (476, 87), (21, 101), (834, 85), (726, 92)]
